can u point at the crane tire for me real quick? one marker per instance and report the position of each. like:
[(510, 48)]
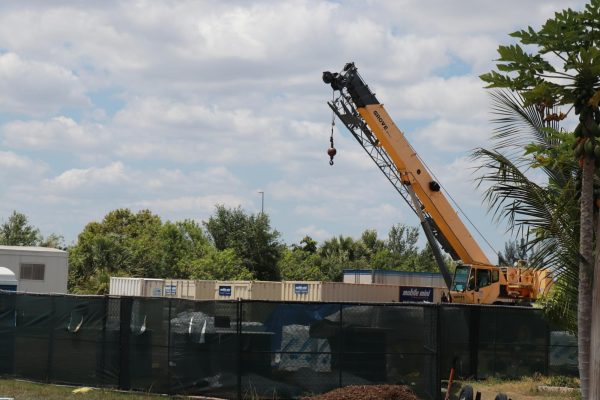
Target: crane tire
[(501, 396), (466, 393)]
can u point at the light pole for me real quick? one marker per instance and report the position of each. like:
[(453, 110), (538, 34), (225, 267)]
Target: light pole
[(262, 202)]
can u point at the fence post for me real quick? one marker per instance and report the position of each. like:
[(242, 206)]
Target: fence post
[(474, 339), (438, 350), (124, 333), (101, 364), (239, 345), (341, 348), (169, 348), (51, 324)]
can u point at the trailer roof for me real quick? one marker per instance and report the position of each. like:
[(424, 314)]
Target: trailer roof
[(31, 249)]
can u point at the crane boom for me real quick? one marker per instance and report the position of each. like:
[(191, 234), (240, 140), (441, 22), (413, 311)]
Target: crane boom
[(368, 121), (476, 280)]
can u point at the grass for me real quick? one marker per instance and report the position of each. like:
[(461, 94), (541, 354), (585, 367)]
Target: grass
[(24, 390), (522, 389)]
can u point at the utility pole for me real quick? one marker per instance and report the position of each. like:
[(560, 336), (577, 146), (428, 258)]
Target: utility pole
[(262, 202)]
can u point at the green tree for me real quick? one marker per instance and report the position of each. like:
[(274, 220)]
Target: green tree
[(300, 265), (513, 252), (182, 243), (252, 238), (123, 244), (425, 261), (402, 240), (371, 242), (220, 265), (547, 212), (307, 244), (570, 39), (16, 231), (525, 140)]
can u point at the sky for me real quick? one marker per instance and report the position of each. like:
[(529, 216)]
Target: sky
[(177, 106)]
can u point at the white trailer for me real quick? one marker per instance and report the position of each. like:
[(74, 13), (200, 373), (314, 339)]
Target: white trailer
[(8, 280), (37, 269)]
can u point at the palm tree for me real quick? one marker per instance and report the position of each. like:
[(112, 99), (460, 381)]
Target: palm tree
[(563, 69), (526, 149)]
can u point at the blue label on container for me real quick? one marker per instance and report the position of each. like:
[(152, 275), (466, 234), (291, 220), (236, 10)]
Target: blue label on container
[(415, 293), (225, 291), (301, 288), (11, 288), (170, 290)]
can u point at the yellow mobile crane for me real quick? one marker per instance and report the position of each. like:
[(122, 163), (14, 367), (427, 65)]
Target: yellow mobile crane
[(476, 280)]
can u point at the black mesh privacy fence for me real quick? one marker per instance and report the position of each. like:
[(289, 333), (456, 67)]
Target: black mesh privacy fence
[(257, 349)]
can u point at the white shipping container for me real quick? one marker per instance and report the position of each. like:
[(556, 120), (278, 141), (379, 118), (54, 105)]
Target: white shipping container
[(390, 277), (232, 290), (355, 292), (301, 290), (205, 290), (180, 288), (265, 290), (338, 291), (422, 294), (247, 290), (145, 287)]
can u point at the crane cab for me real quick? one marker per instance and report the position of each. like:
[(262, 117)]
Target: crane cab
[(475, 284)]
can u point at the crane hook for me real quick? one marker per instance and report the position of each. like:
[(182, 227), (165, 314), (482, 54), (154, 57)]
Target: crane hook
[(331, 151)]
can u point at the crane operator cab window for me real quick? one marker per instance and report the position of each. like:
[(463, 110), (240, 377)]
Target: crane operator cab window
[(461, 278), (483, 278)]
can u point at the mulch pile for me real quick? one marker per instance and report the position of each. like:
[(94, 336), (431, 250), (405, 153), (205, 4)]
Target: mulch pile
[(374, 392)]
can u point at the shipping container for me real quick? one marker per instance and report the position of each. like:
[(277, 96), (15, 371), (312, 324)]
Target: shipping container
[(266, 290), (247, 290), (389, 277), (301, 290), (339, 291), (205, 290), (145, 287), (180, 288), (422, 294)]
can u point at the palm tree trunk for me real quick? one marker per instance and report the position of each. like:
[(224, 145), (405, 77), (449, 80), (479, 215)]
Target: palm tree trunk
[(584, 315), (594, 385)]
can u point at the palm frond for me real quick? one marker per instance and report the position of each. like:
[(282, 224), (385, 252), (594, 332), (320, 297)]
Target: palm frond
[(517, 125)]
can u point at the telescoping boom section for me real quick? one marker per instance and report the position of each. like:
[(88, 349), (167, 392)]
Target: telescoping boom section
[(370, 124)]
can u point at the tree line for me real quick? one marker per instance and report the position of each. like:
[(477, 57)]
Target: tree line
[(231, 245)]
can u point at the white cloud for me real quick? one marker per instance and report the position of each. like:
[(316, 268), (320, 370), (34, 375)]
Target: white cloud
[(9, 160), (457, 98), (33, 87), (94, 177), (448, 136), (314, 232), (129, 111), (57, 133), (193, 204)]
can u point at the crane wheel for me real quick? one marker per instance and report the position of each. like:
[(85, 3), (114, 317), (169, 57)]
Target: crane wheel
[(501, 396), (466, 393)]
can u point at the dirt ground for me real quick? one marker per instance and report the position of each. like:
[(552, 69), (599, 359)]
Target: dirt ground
[(524, 389), (374, 392)]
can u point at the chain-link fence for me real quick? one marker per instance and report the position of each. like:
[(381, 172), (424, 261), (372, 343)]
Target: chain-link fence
[(251, 349)]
